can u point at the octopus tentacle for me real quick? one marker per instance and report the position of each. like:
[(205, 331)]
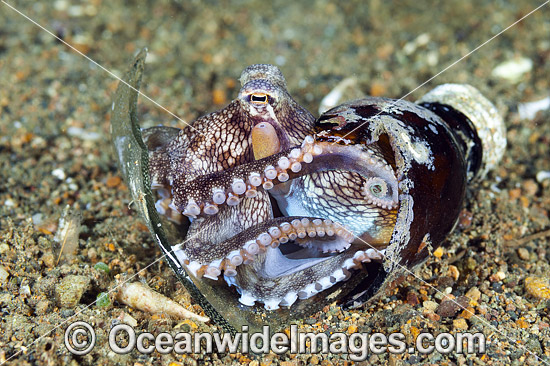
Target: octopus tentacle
[(255, 247), (203, 194), (243, 247)]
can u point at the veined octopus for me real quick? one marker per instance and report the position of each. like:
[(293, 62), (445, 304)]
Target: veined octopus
[(283, 206)]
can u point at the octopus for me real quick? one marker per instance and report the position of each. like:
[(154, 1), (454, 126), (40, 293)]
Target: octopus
[(274, 207), (288, 211)]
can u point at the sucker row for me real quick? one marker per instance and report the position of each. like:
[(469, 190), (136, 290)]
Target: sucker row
[(279, 169), (307, 291), (205, 194), (274, 236)]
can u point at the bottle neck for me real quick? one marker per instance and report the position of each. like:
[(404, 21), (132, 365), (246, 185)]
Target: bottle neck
[(465, 134)]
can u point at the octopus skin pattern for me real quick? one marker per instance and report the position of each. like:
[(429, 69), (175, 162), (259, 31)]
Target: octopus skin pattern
[(278, 204)]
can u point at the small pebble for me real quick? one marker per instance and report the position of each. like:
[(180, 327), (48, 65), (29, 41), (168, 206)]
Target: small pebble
[(314, 360), (127, 319), (454, 272), (538, 287), (433, 317), (66, 313), (37, 219), (523, 254), (3, 275), (522, 323), (48, 260), (430, 305), (543, 175), (24, 290), (59, 174), (69, 291), (92, 254), (514, 193), (473, 294), (450, 308), (468, 312), (42, 307), (513, 70), (100, 266), (103, 300), (460, 324), (465, 219), (531, 188), (412, 298), (113, 181)]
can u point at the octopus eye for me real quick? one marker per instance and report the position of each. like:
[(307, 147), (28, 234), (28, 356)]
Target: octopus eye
[(259, 98)]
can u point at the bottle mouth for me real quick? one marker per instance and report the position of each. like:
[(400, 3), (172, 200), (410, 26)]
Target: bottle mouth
[(485, 120)]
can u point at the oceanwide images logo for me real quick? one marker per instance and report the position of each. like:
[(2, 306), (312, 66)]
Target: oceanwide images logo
[(80, 339)]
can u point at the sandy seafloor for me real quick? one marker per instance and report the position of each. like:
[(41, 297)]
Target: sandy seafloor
[(55, 151)]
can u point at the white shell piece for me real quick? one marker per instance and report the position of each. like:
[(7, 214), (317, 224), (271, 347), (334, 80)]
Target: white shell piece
[(483, 114)]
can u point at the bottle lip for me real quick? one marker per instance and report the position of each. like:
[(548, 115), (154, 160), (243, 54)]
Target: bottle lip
[(482, 113)]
